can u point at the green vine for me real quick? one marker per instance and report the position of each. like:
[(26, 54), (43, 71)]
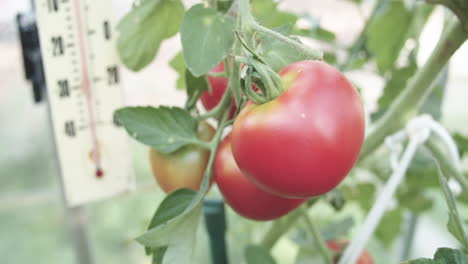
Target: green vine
[(324, 251), (409, 101)]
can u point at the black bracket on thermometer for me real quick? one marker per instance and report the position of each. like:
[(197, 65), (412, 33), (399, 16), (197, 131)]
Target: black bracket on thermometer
[(31, 50)]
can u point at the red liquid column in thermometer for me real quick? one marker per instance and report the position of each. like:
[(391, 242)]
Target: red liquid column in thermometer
[(86, 86)]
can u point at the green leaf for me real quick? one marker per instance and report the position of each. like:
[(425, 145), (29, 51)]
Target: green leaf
[(178, 235), (450, 256), (195, 85), (422, 173), (397, 83), (443, 256), (462, 142), (173, 205), (337, 229), (362, 193), (386, 33), (224, 5), (315, 30), (308, 256), (267, 13), (419, 261), (257, 254), (323, 34), (395, 86), (166, 129), (177, 63), (144, 28), (158, 255), (330, 58), (336, 199), (206, 38), (389, 227), (455, 225), (415, 200)]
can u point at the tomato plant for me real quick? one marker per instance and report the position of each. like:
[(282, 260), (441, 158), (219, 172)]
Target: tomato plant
[(183, 168), (300, 144), (299, 137), (242, 195)]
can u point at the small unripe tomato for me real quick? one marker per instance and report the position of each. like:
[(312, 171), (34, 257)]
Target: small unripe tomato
[(185, 167)]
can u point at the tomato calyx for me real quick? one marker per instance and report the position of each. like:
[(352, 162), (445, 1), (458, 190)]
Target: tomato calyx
[(268, 81)]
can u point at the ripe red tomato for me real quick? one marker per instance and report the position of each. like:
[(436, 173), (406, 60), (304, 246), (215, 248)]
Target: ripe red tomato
[(338, 248), (218, 85), (185, 167), (304, 142), (242, 195)]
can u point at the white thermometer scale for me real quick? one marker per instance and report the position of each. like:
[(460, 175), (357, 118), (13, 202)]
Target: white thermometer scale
[(78, 46)]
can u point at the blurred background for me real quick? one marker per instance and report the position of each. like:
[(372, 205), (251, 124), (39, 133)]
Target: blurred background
[(33, 228)]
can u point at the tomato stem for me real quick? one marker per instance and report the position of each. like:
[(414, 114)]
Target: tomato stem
[(213, 146), (324, 251), (409, 101), (219, 108), (223, 103), (279, 228), (247, 47), (203, 144), (282, 225), (192, 101), (459, 9), (308, 52)]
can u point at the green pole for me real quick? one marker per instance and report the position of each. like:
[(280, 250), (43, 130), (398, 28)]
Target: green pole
[(215, 222)]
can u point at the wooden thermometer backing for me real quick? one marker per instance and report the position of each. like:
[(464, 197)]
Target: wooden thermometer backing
[(78, 46)]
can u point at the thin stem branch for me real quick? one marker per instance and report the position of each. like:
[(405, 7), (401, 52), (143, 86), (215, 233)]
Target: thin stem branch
[(249, 24), (214, 143), (409, 101), (459, 8), (219, 108), (202, 144), (324, 251), (309, 53)]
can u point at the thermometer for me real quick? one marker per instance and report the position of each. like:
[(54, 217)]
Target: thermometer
[(78, 46)]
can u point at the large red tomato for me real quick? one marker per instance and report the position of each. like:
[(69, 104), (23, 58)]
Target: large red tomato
[(338, 247), (185, 167), (218, 85), (242, 195), (304, 142)]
